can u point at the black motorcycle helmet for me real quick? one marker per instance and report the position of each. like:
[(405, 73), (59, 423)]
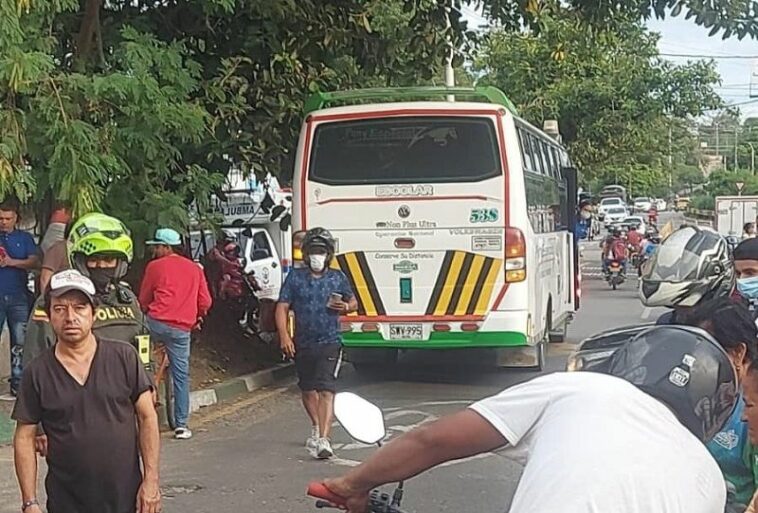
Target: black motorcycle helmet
[(684, 368), (319, 238)]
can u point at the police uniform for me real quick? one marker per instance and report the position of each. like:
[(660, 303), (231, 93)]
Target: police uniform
[(118, 316)]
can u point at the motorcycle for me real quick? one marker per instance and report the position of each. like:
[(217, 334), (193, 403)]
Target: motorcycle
[(615, 275), (251, 316), (238, 297), (634, 256), (364, 422)]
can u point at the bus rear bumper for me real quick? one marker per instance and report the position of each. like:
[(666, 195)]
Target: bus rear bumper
[(499, 329), (442, 340)]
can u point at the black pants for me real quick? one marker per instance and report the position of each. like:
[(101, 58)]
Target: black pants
[(318, 367)]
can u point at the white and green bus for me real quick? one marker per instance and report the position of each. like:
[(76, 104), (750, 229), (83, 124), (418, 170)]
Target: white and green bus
[(453, 220)]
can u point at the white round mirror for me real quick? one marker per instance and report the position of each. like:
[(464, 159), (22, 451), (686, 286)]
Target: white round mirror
[(361, 419)]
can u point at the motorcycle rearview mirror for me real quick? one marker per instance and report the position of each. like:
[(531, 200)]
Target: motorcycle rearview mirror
[(247, 232), (284, 222), (361, 419)]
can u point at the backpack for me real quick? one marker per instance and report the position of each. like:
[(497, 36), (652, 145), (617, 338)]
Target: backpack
[(618, 250)]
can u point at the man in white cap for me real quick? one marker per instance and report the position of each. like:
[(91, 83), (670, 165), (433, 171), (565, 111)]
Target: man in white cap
[(175, 296), (86, 392)]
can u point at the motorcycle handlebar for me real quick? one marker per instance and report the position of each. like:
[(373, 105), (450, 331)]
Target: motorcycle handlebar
[(378, 502)]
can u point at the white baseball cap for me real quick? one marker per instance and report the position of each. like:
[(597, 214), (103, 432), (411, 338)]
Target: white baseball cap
[(70, 279)]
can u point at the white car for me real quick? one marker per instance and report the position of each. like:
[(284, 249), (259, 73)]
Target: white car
[(660, 205), (608, 203), (635, 220), (616, 214), (642, 204)]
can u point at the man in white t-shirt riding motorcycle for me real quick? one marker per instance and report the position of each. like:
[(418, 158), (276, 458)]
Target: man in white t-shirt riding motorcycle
[(628, 442)]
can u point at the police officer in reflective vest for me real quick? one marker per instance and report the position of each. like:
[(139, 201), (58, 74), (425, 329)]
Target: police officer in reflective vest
[(99, 247)]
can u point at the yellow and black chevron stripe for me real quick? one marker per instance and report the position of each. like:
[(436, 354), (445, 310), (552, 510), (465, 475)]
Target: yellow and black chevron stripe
[(355, 267), (464, 285)]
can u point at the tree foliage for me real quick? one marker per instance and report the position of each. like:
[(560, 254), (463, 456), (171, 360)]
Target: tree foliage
[(615, 99), (142, 107)]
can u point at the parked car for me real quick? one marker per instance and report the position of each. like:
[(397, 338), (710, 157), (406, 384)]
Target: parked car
[(660, 205), (608, 203), (642, 204), (615, 215), (636, 223)]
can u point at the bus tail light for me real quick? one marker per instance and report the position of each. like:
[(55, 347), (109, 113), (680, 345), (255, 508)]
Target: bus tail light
[(346, 327), (441, 327), (370, 327), (515, 255), (469, 326)]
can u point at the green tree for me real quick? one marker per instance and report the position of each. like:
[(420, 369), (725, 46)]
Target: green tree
[(615, 99), (143, 107)]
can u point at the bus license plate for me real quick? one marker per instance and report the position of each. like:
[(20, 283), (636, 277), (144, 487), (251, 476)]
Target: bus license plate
[(406, 332)]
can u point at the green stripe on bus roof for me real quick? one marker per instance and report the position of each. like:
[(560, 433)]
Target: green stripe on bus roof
[(440, 340), (319, 100)]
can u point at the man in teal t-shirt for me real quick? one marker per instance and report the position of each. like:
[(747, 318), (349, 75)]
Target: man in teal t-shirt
[(736, 456)]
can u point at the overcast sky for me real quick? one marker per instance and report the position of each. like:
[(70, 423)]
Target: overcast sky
[(683, 37), (680, 36)]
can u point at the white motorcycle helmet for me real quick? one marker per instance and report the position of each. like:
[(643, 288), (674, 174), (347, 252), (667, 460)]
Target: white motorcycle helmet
[(690, 265)]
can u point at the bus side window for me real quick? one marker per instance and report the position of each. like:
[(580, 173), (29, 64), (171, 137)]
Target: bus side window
[(537, 154), (526, 150)]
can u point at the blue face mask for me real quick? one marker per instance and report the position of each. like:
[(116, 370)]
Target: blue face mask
[(748, 287)]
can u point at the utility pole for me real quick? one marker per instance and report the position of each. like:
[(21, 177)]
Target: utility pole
[(736, 162), (449, 72), (718, 155), (671, 161)]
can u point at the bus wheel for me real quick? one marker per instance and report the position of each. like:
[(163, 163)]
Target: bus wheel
[(559, 335), (554, 335), (525, 357), (541, 349)]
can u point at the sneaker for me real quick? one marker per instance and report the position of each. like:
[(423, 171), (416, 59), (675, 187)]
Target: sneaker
[(312, 440), (10, 396), (182, 433), (324, 449)]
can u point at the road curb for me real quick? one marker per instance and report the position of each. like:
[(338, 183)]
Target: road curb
[(235, 387)]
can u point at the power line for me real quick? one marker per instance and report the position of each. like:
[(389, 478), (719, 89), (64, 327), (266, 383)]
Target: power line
[(706, 56)]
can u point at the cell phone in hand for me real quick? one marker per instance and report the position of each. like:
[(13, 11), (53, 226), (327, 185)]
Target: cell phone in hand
[(334, 300)]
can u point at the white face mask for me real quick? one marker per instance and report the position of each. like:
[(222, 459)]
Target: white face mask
[(585, 214), (317, 263)]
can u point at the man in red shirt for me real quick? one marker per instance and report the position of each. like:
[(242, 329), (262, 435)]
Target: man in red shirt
[(175, 296), (635, 239)]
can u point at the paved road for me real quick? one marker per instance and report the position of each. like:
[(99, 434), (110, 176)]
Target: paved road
[(249, 456)]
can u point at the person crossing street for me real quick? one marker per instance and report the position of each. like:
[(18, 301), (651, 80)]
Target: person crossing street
[(318, 296), (175, 296)]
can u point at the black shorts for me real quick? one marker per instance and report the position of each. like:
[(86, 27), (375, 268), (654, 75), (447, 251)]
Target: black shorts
[(318, 367)]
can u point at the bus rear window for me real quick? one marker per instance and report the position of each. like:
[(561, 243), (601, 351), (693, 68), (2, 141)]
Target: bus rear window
[(405, 150)]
